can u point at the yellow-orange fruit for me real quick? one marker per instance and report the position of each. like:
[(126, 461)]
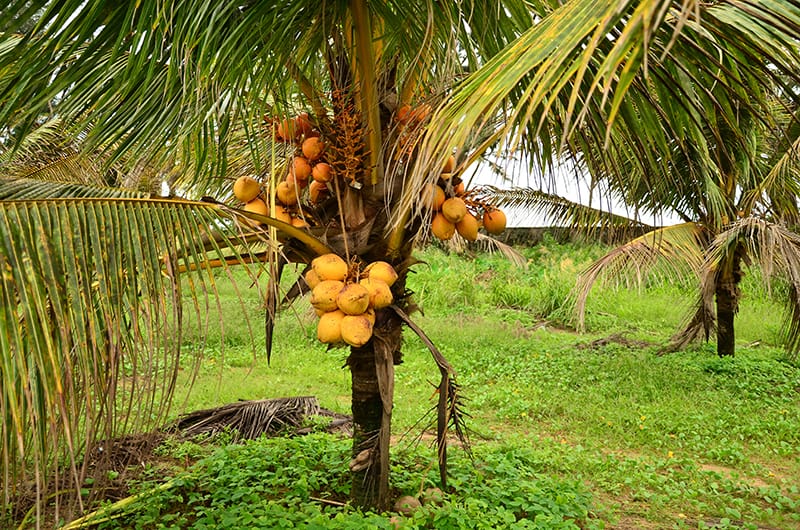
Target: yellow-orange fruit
[(285, 193), (329, 328), (321, 172), (380, 295), (353, 299), (432, 196), (301, 168), (458, 189), (442, 228), (449, 165), (370, 314), (281, 214), (356, 330), (454, 209), (303, 124), (420, 113), (317, 191), (330, 267), (446, 176), (403, 113), (323, 296), (287, 130), (246, 189), (312, 280), (312, 148), (494, 221), (299, 222), (256, 206), (467, 227), (380, 270), (296, 182)]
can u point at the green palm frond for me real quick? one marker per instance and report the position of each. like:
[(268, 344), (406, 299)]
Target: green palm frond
[(776, 251), (672, 251), (32, 189), (93, 317)]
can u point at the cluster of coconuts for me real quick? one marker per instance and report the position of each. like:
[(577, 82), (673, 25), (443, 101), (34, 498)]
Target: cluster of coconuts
[(454, 211), (306, 171), (346, 297)]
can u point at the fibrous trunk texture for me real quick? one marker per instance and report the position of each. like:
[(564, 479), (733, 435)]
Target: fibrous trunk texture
[(727, 300)]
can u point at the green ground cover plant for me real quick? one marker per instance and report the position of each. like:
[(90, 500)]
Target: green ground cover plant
[(569, 430)]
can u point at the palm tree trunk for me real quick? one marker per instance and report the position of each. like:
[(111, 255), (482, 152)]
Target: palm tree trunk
[(372, 376), (727, 300)]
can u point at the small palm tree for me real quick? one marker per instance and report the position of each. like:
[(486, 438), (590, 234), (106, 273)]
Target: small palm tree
[(92, 288)]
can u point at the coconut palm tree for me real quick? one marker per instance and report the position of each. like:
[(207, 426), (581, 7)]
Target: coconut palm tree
[(91, 287)]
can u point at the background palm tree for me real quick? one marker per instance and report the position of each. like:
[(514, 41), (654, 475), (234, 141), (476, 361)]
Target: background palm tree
[(88, 284)]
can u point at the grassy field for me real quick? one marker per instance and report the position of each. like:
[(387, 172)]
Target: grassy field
[(594, 430)]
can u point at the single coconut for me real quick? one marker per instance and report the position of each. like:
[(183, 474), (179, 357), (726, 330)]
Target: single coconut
[(285, 193), (329, 328), (356, 330), (458, 189), (281, 214), (256, 206), (330, 267), (454, 209), (312, 280), (323, 296), (299, 222), (449, 164), (312, 148), (403, 113), (380, 295), (380, 270), (432, 196), (370, 314), (407, 505), (287, 130), (353, 299), (301, 168), (246, 189), (442, 228), (494, 221), (303, 124), (294, 181), (321, 172), (317, 191), (467, 227)]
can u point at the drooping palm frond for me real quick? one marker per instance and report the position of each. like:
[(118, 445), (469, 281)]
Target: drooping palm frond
[(92, 315), (673, 251), (775, 249), (32, 189)]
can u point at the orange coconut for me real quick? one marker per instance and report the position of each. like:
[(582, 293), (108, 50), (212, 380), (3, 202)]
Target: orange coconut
[(285, 193), (281, 214), (246, 188), (442, 228), (317, 191), (467, 227), (303, 124), (454, 209), (380, 270), (312, 280), (356, 330), (449, 164), (380, 295), (432, 196), (353, 299), (329, 328), (256, 206), (330, 267), (312, 148), (321, 172), (494, 221), (323, 296), (301, 168)]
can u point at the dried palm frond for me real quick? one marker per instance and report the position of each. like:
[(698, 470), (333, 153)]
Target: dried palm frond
[(248, 420)]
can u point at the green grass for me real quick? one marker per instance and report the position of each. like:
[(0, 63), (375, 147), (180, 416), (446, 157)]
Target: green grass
[(614, 435)]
